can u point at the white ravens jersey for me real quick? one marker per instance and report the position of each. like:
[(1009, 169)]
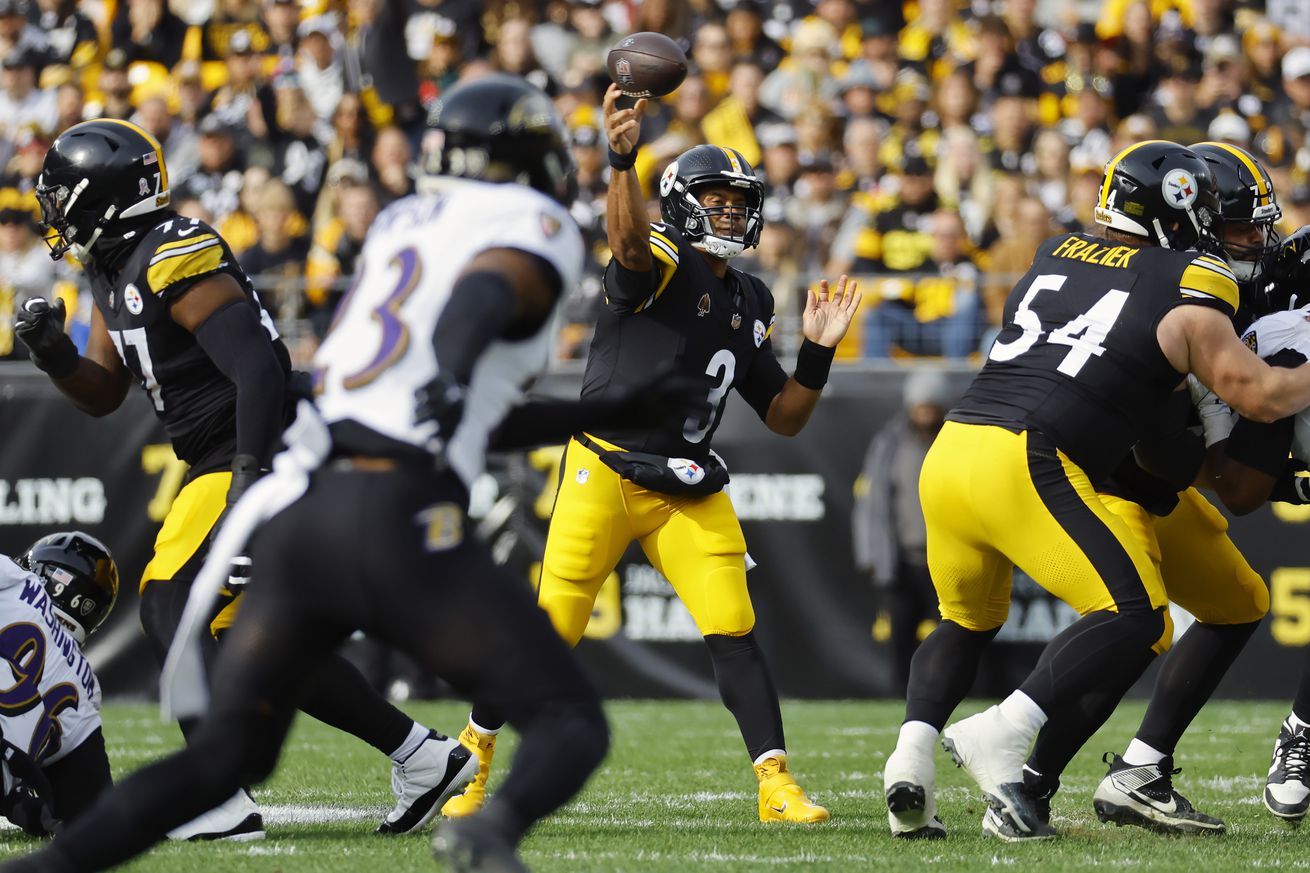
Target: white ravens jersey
[(379, 350), (1272, 334), (49, 696)]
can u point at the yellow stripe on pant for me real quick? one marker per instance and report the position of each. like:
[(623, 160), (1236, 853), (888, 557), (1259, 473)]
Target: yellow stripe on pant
[(696, 542), (993, 499)]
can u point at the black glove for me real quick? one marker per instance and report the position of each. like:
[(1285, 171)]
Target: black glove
[(667, 396), (27, 796), (440, 401), (40, 325), (245, 472)]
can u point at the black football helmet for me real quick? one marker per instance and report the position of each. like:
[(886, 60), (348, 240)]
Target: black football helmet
[(698, 168), (1246, 196), (1163, 192), (498, 128), (100, 181), (79, 575), (1289, 273)]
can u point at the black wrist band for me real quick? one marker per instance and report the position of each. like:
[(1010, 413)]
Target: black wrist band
[(623, 162), (60, 361), (813, 362)]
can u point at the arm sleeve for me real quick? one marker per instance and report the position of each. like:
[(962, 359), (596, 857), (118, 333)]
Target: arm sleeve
[(545, 422), (239, 346)]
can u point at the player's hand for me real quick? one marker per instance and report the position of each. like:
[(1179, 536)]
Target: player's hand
[(828, 313), (666, 397), (622, 126), (40, 325), (440, 401)]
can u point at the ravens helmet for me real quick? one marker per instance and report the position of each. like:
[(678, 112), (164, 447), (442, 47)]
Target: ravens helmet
[(1246, 196), (1163, 192), (680, 190), (100, 180), (498, 128), (79, 575)]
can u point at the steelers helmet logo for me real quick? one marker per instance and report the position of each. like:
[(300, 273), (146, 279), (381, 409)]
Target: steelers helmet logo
[(1180, 189), (670, 176)]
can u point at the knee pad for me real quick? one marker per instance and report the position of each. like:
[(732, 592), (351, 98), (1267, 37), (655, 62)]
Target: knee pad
[(573, 550), (722, 606), (569, 610)]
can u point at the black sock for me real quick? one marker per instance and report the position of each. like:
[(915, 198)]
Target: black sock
[(943, 670), (487, 716), (1068, 728), (560, 744), (747, 689), (1102, 650), (340, 696), (1301, 705), (1189, 675)]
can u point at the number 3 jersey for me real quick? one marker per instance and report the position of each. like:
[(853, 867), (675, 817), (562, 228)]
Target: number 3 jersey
[(1078, 357), (379, 350), (49, 696), (191, 396), (704, 327)]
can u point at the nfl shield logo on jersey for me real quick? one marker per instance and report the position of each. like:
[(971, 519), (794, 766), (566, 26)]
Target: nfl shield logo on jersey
[(686, 470)]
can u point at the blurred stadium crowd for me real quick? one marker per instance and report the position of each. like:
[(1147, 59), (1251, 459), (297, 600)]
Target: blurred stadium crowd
[(929, 145)]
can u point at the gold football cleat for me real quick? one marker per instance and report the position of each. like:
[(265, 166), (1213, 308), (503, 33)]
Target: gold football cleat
[(781, 798), (484, 746)]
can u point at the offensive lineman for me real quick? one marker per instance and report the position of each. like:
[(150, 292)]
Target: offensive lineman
[(174, 310), (1202, 569), (672, 296), (1098, 334), (455, 291), (52, 597)]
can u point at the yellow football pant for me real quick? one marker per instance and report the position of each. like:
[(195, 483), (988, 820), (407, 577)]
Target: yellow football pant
[(1203, 570), (182, 541), (696, 542), (993, 499)]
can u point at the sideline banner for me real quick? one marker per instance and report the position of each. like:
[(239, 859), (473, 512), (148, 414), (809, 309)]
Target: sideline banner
[(116, 477)]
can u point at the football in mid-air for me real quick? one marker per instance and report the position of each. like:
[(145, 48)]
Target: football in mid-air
[(647, 65)]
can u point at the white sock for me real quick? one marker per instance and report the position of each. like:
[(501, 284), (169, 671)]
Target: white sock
[(1023, 713), (917, 736), (772, 753), (486, 732), (1296, 722), (1139, 754), (417, 734)]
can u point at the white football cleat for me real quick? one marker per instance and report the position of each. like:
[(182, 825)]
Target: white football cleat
[(992, 751), (436, 771), (909, 782), (1287, 789), (237, 819)]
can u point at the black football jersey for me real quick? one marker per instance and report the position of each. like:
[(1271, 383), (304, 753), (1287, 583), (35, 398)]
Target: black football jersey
[(194, 400), (706, 327), (1077, 358)]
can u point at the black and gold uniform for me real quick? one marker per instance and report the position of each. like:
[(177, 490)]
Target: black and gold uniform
[(1065, 393), (701, 325), (192, 398)]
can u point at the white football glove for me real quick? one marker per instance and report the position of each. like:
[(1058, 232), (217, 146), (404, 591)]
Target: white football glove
[(1216, 416)]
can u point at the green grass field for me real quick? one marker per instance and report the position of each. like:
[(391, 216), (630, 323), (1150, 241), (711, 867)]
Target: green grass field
[(677, 795)]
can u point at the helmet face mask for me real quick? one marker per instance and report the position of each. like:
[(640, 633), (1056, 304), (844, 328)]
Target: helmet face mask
[(80, 577), (694, 176)]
